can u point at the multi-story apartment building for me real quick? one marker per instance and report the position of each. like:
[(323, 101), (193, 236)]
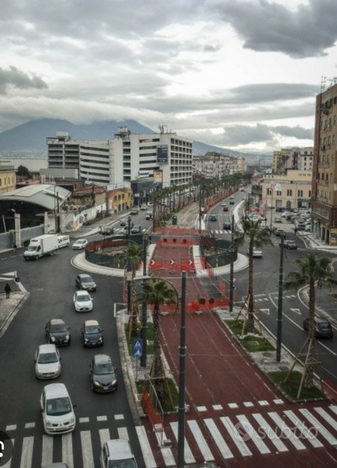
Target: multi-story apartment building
[(216, 165), (324, 177), (125, 158), (7, 176), (292, 159)]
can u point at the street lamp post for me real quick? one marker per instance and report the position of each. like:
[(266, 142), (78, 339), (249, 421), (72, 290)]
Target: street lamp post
[(280, 305), (144, 308), (182, 357), (17, 228), (231, 277)]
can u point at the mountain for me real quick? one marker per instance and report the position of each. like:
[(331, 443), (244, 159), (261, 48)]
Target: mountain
[(29, 139)]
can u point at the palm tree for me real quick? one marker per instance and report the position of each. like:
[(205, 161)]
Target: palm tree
[(132, 257), (157, 292), (312, 271), (257, 237)]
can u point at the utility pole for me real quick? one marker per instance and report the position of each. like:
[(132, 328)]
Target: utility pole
[(182, 357), (231, 277), (280, 305), (200, 208)]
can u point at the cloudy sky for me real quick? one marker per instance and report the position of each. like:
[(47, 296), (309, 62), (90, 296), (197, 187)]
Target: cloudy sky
[(240, 74)]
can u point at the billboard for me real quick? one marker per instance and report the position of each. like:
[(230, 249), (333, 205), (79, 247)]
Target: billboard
[(157, 177), (162, 154)]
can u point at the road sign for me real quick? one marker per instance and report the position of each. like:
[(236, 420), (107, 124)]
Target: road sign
[(137, 347)]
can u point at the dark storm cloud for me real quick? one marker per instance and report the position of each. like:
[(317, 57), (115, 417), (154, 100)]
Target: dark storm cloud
[(239, 135), (271, 27), (18, 79)]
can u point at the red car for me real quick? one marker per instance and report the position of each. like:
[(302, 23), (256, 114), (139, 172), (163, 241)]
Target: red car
[(225, 208)]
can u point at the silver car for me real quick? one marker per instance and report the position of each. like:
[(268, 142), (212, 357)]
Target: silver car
[(83, 302), (47, 362)]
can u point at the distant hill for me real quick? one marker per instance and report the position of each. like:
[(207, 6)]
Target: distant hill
[(29, 139)]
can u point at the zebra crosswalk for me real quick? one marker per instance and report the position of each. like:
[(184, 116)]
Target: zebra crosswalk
[(207, 439)]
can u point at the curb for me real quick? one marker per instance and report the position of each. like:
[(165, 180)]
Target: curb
[(5, 324)]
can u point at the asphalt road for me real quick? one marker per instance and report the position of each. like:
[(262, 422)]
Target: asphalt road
[(51, 283)]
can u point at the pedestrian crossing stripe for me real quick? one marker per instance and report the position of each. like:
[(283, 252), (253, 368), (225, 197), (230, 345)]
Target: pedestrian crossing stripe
[(239, 434)]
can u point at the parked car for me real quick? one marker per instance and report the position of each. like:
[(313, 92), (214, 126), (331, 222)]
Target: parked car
[(117, 453), (92, 334), (277, 219), (257, 253), (106, 230), (85, 281), (47, 362), (143, 207), (103, 376), (213, 217), (289, 244), (136, 229), (80, 244), (134, 211), (279, 232), (323, 328), (83, 302), (57, 410), (57, 332), (300, 227)]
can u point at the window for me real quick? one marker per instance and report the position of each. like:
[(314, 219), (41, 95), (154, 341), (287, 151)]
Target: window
[(289, 193), (300, 193)]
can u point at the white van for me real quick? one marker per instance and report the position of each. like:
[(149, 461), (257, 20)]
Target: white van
[(63, 241)]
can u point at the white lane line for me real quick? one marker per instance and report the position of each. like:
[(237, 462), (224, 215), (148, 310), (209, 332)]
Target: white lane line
[(87, 452), (149, 460), (199, 438), (218, 439)]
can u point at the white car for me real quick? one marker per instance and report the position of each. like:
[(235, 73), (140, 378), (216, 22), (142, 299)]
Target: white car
[(117, 453), (57, 409), (83, 302), (47, 362), (257, 253), (80, 244)]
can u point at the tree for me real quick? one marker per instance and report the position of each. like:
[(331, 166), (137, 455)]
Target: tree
[(22, 171), (257, 237), (157, 292), (132, 257), (312, 271)]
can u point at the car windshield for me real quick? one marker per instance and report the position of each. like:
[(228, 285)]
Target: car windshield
[(58, 328), (58, 406), (86, 279), (122, 464), (324, 325), (47, 358), (83, 298), (91, 329), (103, 369)]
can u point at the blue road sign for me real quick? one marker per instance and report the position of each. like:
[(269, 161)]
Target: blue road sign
[(137, 347)]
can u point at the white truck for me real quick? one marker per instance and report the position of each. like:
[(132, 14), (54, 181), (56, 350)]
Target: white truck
[(40, 246)]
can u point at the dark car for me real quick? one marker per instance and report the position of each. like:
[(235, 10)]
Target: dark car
[(225, 208), (85, 281), (213, 217), (92, 334), (57, 332), (323, 328), (227, 226), (103, 377), (136, 229), (106, 230), (290, 244)]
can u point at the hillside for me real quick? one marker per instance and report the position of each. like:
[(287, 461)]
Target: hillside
[(29, 139)]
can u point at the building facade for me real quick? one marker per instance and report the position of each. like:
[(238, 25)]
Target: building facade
[(292, 159), (287, 191), (125, 158), (324, 179), (216, 165), (7, 176)]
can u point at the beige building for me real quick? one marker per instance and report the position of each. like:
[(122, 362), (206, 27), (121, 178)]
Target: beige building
[(7, 176), (292, 159), (291, 190), (324, 180), (216, 165)]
